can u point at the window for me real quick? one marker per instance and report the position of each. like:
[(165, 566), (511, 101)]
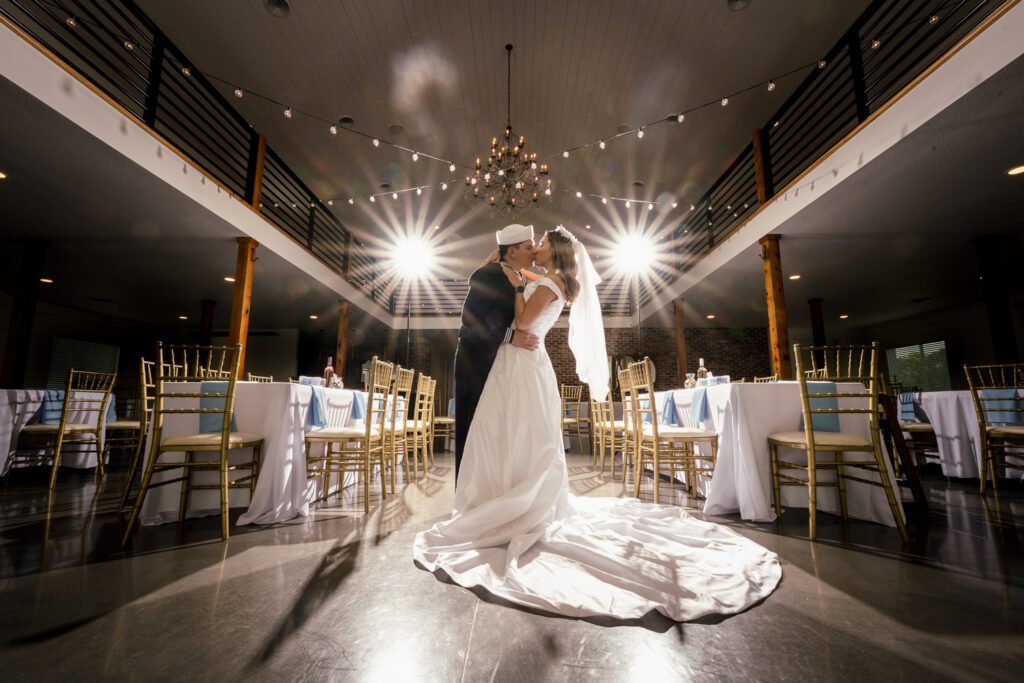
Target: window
[(921, 367), (80, 355)]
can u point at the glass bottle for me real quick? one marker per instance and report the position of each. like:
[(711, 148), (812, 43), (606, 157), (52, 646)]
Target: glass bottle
[(329, 371), (702, 372)]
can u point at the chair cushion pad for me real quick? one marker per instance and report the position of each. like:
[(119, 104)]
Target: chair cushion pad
[(1007, 431), (125, 424), (824, 440), (334, 433), (444, 420), (53, 429), (682, 432), (916, 427), (236, 440)]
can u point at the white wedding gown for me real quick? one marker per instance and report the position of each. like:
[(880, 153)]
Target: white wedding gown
[(517, 531)]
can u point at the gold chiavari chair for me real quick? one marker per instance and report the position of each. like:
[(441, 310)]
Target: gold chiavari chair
[(667, 446), (766, 380), (572, 409), (147, 390), (996, 392), (82, 421), (852, 364), (596, 429), (356, 449), (622, 428), (264, 379), (127, 431), (429, 420), (444, 428), (397, 422), (418, 432), (198, 364)]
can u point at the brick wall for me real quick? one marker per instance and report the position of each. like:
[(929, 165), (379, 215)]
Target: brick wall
[(739, 352)]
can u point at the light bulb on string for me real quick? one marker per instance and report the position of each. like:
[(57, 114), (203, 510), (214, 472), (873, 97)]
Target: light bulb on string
[(71, 21), (376, 142), (933, 19), (129, 45), (394, 195), (239, 92), (822, 64), (680, 118), (771, 86), (627, 203), (578, 194), (330, 202), (351, 200), (725, 101), (675, 204), (451, 167), (692, 207), (565, 154), (288, 112), (419, 191), (415, 156), (875, 44), (640, 133), (650, 207), (444, 186), (334, 130), (601, 144), (186, 72), (373, 199), (604, 200)]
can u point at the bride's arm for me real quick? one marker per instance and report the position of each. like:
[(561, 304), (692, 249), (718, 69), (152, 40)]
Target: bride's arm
[(530, 275), (528, 311)]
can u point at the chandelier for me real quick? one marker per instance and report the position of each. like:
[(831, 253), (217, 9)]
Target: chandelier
[(511, 177)]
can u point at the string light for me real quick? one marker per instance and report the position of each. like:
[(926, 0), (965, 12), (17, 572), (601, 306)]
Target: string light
[(70, 21), (725, 101), (288, 112), (351, 200), (604, 200), (627, 203), (822, 64), (334, 130), (565, 154), (680, 118), (933, 19), (771, 86), (239, 92), (875, 44), (394, 195), (415, 156), (376, 142), (419, 191), (640, 133), (186, 72), (444, 186), (129, 45), (373, 199), (601, 144), (578, 194), (451, 167)]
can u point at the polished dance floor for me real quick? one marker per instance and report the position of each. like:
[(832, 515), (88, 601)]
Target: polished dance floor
[(336, 597)]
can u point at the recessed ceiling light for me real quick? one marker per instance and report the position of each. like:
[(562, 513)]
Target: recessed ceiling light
[(395, 129), (346, 120), (710, 316), (843, 316), (228, 278), (1016, 170), (46, 280), (182, 317), (794, 277), (279, 8), (313, 317)]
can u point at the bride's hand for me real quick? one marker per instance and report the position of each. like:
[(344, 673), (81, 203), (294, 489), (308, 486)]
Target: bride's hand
[(513, 276), (492, 257)]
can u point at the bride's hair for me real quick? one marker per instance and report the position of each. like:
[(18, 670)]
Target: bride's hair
[(563, 262)]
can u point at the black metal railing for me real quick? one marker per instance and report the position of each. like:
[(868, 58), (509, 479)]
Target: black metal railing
[(114, 45), (857, 78)]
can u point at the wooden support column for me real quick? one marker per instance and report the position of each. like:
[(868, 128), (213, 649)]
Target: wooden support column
[(762, 167), (23, 313), (242, 298), (778, 323), (992, 251), (680, 340), (341, 350), (206, 321)]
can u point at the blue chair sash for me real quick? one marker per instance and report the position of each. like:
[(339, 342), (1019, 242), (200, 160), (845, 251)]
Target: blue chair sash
[(699, 407), (318, 408), (999, 412), (211, 423), (359, 405), (823, 422), (668, 410), (53, 404)]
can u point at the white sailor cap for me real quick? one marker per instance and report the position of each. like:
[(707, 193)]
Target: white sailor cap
[(514, 234)]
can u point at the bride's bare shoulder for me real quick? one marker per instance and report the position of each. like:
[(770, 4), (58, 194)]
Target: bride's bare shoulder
[(559, 282)]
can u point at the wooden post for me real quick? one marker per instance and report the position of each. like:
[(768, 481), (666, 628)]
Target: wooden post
[(680, 340), (242, 298), (762, 167), (23, 313), (256, 172), (206, 322), (341, 350), (778, 324), (995, 285)]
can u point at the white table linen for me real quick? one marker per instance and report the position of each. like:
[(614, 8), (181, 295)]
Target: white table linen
[(955, 422), (279, 412), (744, 415), (19, 406)]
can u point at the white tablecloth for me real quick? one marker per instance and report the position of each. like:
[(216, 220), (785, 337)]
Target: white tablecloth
[(744, 415), (19, 406), (278, 412), (955, 421)]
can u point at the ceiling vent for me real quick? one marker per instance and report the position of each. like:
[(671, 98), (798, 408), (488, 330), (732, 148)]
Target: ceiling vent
[(279, 8)]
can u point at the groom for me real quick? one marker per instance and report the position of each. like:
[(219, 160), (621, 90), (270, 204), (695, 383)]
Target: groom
[(487, 317)]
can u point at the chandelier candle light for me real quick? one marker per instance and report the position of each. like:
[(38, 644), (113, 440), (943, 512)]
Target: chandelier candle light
[(512, 177)]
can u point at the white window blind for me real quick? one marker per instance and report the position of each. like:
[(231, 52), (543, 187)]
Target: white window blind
[(921, 367), (80, 355)]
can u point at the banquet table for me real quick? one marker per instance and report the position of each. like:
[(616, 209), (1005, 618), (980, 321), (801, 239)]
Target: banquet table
[(744, 415), (19, 407), (955, 422), (277, 411)]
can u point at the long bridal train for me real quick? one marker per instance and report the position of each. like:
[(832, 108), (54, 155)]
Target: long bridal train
[(517, 532)]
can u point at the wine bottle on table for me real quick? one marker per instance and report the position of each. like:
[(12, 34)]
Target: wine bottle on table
[(329, 371), (702, 372)]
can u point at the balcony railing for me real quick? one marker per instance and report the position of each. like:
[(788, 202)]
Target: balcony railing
[(114, 45), (857, 79)]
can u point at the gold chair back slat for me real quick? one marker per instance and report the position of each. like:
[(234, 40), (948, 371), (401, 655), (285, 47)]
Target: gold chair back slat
[(263, 379), (766, 380)]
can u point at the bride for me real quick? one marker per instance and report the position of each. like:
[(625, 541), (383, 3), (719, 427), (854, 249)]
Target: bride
[(517, 532)]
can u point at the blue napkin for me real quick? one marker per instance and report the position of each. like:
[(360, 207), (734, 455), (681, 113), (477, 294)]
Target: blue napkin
[(358, 405), (53, 404), (318, 408), (211, 423), (823, 422), (1008, 403), (668, 411), (311, 381), (451, 407), (699, 407)]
